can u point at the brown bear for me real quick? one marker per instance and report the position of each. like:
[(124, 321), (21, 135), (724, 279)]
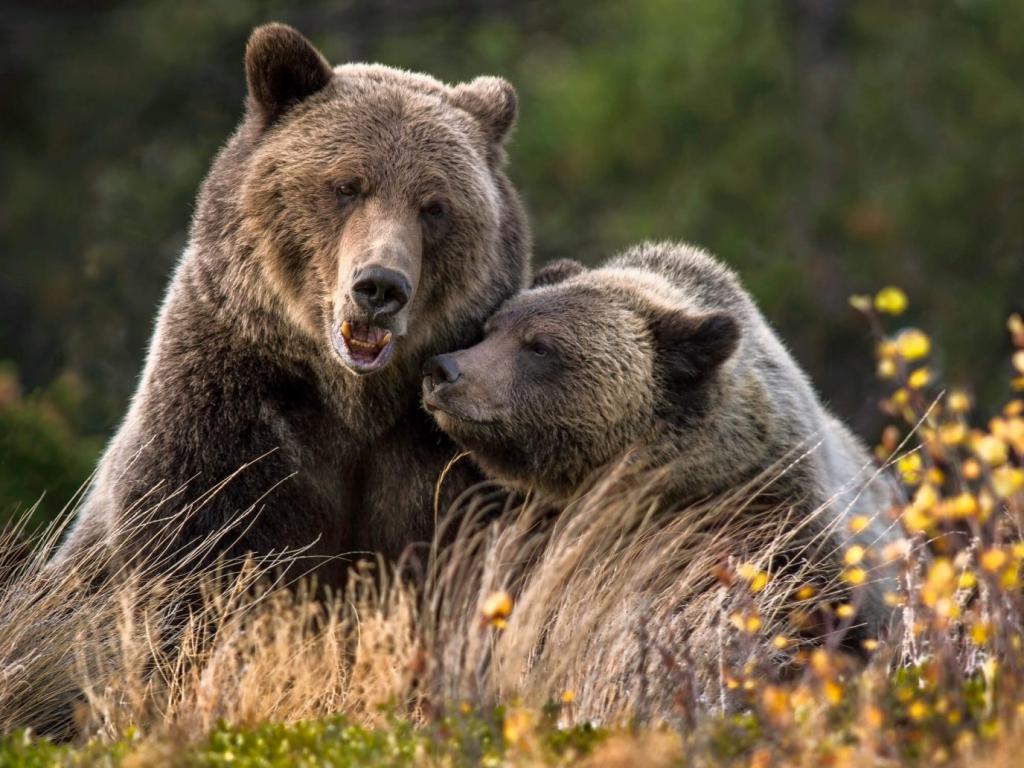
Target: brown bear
[(358, 222), (660, 350)]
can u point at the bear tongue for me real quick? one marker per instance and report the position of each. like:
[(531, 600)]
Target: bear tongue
[(368, 334)]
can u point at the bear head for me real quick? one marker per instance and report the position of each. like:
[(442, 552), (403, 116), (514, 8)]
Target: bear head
[(373, 201), (573, 374)]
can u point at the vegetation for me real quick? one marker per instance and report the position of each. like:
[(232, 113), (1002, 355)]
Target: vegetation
[(818, 147), (616, 633)]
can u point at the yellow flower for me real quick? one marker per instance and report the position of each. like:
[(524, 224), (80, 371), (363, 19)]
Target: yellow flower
[(898, 549), (1010, 581), (806, 592), (854, 554), (517, 726), (747, 571), (757, 579), (967, 580), (1018, 360), (869, 645), (874, 716), (887, 350), (775, 700), (926, 497), (886, 368), (846, 611), (859, 523), (971, 469), (953, 433), (940, 582), (913, 344), (917, 711), (746, 622), (568, 697), (855, 576), (1014, 433), (497, 608), (891, 300), (980, 632), (1006, 481), (833, 692), (893, 600), (961, 506), (919, 379), (909, 467), (780, 642), (900, 397), (916, 520), (993, 559), (861, 302), (990, 449), (959, 401)]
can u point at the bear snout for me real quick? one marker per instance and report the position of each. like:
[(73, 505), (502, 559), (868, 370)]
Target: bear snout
[(380, 292), (439, 371)]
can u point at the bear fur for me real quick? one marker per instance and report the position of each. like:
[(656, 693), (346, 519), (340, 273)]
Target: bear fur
[(279, 374), (660, 353)]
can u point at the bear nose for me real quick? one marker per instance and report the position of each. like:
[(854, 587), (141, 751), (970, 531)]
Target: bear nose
[(380, 292), (441, 369)]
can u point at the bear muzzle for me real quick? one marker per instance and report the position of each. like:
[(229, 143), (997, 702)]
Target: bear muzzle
[(363, 347)]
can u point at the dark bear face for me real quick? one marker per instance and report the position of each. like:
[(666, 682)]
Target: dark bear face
[(375, 194), (570, 377)]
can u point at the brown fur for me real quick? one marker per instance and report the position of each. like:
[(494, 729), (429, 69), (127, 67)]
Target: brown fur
[(329, 173), (661, 355)]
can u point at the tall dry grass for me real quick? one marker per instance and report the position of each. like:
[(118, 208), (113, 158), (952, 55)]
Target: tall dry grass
[(617, 599), (618, 608)]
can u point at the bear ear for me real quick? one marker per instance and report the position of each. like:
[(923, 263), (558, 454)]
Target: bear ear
[(493, 101), (556, 272), (691, 347), (282, 69)]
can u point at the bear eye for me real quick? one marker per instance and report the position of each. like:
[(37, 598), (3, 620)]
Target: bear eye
[(434, 209), (538, 348), (346, 191)]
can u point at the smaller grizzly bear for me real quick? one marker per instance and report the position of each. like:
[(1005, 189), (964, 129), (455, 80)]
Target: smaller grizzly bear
[(660, 350)]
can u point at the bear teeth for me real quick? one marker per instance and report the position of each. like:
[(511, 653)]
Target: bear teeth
[(363, 337)]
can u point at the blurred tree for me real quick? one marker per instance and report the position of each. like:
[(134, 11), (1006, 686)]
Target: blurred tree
[(821, 147)]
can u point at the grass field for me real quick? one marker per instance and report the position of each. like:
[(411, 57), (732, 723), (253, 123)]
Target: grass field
[(617, 633)]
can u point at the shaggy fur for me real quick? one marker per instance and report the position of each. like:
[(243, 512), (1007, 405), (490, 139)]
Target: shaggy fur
[(331, 174), (662, 355)]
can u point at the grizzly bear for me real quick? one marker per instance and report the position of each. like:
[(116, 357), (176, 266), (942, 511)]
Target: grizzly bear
[(661, 350), (358, 222)]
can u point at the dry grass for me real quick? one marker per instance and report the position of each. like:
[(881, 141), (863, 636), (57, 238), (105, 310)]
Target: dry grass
[(671, 622)]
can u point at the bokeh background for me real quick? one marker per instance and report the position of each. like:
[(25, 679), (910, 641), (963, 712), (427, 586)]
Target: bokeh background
[(821, 147)]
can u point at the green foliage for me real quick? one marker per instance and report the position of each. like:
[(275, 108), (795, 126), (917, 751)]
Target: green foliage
[(43, 462), (467, 739)]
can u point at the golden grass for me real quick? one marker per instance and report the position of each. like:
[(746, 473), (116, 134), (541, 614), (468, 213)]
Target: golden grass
[(615, 608)]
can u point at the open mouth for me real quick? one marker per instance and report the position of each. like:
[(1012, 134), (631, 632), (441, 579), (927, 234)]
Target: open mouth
[(363, 347)]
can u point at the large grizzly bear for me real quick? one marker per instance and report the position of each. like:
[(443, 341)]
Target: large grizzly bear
[(660, 350), (357, 222)]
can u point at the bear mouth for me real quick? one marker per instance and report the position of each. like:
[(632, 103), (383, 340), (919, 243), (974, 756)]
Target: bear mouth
[(363, 347)]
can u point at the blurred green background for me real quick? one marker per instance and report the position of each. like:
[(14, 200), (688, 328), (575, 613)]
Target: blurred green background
[(821, 147)]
